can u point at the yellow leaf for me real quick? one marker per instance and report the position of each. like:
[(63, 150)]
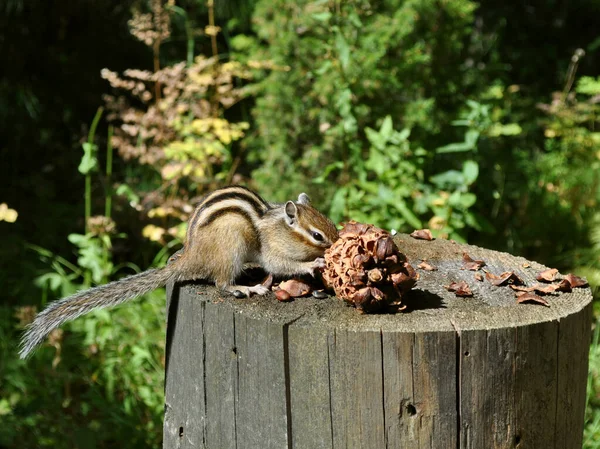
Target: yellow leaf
[(157, 212), (437, 223), (170, 171), (153, 233), (7, 214), (212, 30)]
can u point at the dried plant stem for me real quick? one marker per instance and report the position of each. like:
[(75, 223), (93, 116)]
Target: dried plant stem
[(233, 169), (215, 54), (579, 53), (109, 154), (88, 176), (211, 22), (156, 52)]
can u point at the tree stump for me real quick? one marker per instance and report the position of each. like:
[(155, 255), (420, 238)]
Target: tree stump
[(480, 372)]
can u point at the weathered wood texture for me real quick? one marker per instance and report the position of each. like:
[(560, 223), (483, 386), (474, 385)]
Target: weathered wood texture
[(473, 373)]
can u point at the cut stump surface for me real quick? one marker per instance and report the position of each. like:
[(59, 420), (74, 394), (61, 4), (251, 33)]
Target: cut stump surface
[(475, 372)]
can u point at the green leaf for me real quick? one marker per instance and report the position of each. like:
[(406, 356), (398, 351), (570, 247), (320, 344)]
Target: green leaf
[(338, 204), (324, 68), (53, 280), (386, 128), (132, 197), (337, 165), (343, 49), (450, 178), (375, 138), (403, 135), (354, 19), (377, 162), (471, 137), (454, 148), (5, 408), (467, 200), (470, 171), (510, 129), (76, 239), (89, 160), (461, 123), (407, 214), (588, 85), (322, 16)]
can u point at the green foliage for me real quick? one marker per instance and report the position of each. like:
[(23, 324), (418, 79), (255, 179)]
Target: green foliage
[(390, 188), (591, 436), (98, 384), (351, 65), (109, 364), (404, 113)]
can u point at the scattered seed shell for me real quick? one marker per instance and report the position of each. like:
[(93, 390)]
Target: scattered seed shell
[(295, 288), (508, 277), (479, 277), (548, 288), (426, 266), (422, 234), (470, 264), (576, 281), (459, 288), (548, 275), (282, 295), (564, 286), (530, 297), (522, 288)]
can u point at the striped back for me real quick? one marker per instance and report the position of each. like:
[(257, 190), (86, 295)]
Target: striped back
[(234, 199)]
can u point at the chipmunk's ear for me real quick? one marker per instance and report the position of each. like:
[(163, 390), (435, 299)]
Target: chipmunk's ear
[(291, 212), (303, 198)]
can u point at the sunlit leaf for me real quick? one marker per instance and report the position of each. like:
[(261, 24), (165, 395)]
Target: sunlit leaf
[(322, 16), (343, 49), (89, 160), (386, 128), (7, 214), (407, 214), (470, 171), (338, 204)]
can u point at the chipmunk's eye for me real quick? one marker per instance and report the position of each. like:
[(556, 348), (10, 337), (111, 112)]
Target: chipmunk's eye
[(317, 236)]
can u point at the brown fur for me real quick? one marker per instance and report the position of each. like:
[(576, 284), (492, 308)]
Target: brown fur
[(229, 228)]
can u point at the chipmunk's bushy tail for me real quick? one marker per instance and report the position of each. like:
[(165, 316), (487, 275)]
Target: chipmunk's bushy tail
[(108, 295)]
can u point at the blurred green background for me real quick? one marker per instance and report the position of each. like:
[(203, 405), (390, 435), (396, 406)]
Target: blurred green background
[(479, 121)]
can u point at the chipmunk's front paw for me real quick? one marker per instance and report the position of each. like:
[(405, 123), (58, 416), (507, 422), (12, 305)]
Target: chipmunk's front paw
[(259, 289), (318, 264), (241, 291)]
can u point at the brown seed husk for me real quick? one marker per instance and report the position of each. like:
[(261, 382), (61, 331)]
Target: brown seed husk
[(459, 288), (470, 264), (508, 277), (365, 268), (295, 288), (422, 234), (426, 266), (282, 295), (548, 275), (530, 297), (575, 281)]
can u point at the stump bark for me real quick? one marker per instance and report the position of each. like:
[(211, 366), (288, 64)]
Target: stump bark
[(451, 372)]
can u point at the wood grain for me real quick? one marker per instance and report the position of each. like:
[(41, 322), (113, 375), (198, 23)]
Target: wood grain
[(472, 373)]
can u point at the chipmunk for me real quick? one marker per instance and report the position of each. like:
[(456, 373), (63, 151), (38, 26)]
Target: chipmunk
[(230, 227)]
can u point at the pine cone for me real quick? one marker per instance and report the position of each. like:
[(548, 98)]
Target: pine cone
[(365, 268)]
